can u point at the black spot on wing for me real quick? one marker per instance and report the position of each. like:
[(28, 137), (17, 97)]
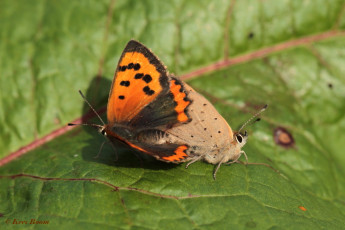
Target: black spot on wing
[(136, 66), (148, 90), (147, 78), (125, 83), (138, 75), (130, 66)]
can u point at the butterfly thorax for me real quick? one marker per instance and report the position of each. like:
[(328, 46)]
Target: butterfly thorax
[(113, 135)]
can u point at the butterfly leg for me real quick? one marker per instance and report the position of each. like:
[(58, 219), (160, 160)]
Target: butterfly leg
[(215, 171), (195, 159), (245, 155), (229, 163), (100, 150), (116, 154), (236, 160), (233, 161)]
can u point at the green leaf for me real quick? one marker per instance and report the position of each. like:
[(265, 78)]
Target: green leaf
[(240, 54)]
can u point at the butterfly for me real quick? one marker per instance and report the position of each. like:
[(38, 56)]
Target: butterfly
[(156, 113)]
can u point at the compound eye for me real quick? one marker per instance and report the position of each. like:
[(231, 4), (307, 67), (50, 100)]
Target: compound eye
[(239, 138), (103, 132)]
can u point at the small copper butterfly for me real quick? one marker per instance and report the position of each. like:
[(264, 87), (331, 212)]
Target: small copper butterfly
[(154, 112)]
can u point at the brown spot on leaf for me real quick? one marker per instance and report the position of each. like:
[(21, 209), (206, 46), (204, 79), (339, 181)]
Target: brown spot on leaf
[(250, 35), (251, 224), (283, 137)]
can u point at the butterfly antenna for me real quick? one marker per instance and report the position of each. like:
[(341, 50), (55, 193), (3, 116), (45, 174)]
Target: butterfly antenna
[(255, 115), (93, 125), (82, 95)]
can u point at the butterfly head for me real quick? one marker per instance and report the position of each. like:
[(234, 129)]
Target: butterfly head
[(235, 149), (102, 130), (240, 139)]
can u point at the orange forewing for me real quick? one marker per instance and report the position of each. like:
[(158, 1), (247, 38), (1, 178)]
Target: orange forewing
[(128, 96)]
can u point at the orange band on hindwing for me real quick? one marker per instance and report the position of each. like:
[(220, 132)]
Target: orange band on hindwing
[(180, 154), (181, 100)]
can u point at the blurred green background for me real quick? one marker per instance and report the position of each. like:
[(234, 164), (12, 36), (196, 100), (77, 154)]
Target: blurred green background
[(239, 54)]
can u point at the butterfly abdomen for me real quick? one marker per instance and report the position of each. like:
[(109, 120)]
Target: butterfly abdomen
[(153, 136)]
